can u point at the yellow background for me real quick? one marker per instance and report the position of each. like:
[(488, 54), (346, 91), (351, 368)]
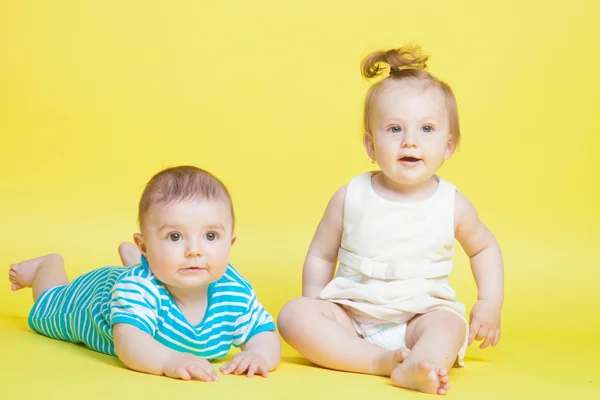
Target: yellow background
[(95, 97)]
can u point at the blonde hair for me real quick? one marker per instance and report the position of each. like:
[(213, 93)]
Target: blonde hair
[(407, 62), (182, 183)]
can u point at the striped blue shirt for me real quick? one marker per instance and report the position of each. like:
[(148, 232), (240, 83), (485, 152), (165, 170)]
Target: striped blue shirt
[(86, 310)]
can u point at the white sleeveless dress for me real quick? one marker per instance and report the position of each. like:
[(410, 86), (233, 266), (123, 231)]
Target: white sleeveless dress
[(394, 261)]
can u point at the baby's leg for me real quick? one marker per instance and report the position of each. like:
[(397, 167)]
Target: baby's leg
[(323, 333), (435, 339), (39, 274), (129, 253)]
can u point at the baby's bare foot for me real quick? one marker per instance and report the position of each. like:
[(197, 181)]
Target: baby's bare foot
[(401, 354), (421, 376), (21, 275)]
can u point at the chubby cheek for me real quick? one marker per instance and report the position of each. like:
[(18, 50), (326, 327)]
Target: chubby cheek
[(161, 256), (383, 150), (436, 154), (220, 258)]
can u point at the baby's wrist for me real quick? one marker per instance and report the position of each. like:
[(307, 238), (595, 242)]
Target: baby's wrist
[(311, 292), (167, 359), (494, 301)]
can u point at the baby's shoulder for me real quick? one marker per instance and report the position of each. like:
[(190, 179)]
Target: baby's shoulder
[(137, 271), (232, 282), (460, 200), (136, 289), (464, 209), (339, 195), (137, 277)]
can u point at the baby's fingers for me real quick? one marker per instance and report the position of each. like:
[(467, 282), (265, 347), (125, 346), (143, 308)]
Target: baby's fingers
[(496, 338), (252, 368), (488, 339), (263, 370), (473, 330), (178, 373), (257, 368), (211, 371), (201, 373), (243, 366), (230, 366), (482, 334)]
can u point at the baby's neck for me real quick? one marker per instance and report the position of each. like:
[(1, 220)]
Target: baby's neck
[(192, 302), (395, 191), (189, 296)]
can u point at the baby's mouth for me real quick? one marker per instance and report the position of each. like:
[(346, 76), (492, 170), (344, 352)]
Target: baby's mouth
[(410, 159), (193, 269)]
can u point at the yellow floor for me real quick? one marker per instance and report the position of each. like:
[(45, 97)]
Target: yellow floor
[(35, 367)]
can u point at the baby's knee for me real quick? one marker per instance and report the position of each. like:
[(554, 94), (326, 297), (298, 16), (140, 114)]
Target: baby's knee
[(449, 323), (288, 316)]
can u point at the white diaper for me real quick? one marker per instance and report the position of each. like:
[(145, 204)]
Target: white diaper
[(393, 337), (389, 337)]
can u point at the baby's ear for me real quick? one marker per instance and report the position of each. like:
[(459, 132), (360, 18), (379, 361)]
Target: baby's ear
[(450, 148), (369, 144), (233, 239), (139, 241)]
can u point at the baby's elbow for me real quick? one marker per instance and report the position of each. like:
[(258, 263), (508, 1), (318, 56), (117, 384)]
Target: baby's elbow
[(490, 240)]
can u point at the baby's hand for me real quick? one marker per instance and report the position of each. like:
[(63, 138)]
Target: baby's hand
[(188, 366), (246, 361), (485, 323)]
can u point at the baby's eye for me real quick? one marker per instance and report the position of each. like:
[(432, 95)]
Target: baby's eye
[(427, 129), (210, 236), (395, 129), (175, 237)]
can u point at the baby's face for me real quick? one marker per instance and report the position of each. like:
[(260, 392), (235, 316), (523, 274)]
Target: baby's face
[(187, 243), (410, 131)]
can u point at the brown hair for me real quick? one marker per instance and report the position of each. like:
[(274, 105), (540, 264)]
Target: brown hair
[(182, 183), (407, 62)]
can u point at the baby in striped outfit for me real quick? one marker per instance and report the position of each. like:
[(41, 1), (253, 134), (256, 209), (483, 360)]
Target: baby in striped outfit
[(178, 308)]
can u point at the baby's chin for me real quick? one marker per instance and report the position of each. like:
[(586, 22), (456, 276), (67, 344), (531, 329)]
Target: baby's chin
[(409, 180), (192, 278)]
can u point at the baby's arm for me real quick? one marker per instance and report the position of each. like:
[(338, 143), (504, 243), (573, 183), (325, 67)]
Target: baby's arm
[(321, 259), (141, 352), (256, 334), (134, 317), (259, 355), (487, 266), (268, 345)]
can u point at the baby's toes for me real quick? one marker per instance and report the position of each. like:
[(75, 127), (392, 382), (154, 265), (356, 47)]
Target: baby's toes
[(15, 286), (424, 368), (442, 374), (401, 354)]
